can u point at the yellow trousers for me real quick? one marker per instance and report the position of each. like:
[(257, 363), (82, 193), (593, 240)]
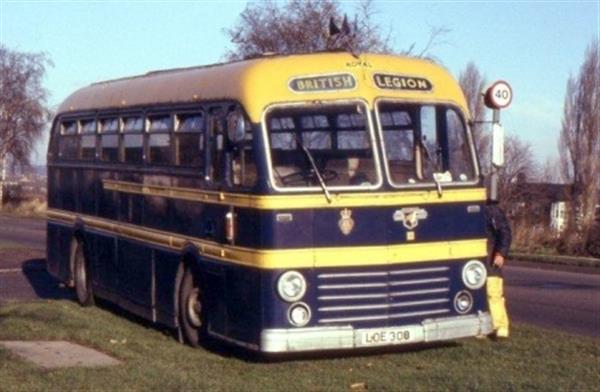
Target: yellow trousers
[(495, 295)]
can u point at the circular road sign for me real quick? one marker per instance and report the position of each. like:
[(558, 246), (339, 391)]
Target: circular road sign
[(499, 95)]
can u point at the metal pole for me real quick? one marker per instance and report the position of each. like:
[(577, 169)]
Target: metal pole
[(494, 174)]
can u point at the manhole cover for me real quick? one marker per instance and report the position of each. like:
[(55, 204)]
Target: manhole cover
[(56, 354)]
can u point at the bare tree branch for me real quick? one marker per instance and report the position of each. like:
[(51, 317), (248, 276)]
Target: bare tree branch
[(472, 83), (23, 110), (301, 26), (579, 142)]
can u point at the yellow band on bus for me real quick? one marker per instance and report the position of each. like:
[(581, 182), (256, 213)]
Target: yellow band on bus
[(300, 201), (287, 258)]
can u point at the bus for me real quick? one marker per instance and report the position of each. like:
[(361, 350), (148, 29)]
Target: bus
[(283, 203)]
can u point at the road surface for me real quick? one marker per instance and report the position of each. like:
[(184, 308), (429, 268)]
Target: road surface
[(557, 299), (22, 232), (564, 300)]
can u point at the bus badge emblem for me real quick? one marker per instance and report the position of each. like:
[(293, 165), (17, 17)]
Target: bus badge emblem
[(346, 223), (410, 216)]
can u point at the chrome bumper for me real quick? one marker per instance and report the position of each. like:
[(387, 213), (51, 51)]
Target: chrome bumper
[(346, 337)]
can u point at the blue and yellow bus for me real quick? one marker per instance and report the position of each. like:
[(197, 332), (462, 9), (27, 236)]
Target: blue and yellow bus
[(283, 203)]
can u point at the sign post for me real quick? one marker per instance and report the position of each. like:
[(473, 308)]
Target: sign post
[(498, 96)]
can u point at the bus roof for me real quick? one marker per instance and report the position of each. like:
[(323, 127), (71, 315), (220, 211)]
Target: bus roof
[(259, 82)]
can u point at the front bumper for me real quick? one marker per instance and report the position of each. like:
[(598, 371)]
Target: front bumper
[(346, 337)]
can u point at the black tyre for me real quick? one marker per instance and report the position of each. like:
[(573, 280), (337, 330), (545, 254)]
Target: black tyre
[(191, 313), (82, 278)]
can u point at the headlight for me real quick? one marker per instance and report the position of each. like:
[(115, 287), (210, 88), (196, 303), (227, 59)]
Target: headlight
[(299, 314), (463, 302), (474, 274), (291, 286)]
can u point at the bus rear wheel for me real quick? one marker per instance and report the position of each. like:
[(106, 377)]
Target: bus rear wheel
[(83, 288), (191, 313)]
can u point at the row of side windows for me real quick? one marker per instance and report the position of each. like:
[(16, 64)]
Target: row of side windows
[(161, 139)]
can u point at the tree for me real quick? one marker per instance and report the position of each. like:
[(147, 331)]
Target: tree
[(519, 162), (550, 171), (23, 111), (472, 83), (579, 142), (300, 26), (519, 165)]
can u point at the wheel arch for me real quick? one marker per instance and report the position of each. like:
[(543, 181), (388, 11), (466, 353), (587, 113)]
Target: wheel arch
[(190, 258), (77, 238)]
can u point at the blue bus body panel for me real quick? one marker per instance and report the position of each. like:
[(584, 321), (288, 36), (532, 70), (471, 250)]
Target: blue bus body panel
[(391, 296), (372, 226)]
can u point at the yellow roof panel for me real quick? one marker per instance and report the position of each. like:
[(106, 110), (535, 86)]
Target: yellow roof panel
[(260, 82)]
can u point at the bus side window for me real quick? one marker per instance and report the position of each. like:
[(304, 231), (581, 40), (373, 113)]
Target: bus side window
[(244, 164), (189, 139), (88, 140), (109, 139), (133, 139), (159, 139), (68, 145), (216, 146)]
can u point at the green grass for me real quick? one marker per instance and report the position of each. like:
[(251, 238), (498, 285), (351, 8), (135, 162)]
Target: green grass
[(532, 359)]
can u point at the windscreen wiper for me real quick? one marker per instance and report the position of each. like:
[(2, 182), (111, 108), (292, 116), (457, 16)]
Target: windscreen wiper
[(315, 169), (437, 179)]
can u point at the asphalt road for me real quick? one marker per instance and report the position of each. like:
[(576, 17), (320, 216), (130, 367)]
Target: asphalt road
[(557, 299), (544, 296), (22, 232)]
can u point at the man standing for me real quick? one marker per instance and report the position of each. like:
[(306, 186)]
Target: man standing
[(499, 239)]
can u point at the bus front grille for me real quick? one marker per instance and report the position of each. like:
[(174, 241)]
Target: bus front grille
[(383, 297)]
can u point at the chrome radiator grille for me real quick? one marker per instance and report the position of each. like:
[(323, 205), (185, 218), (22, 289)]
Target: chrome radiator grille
[(383, 297)]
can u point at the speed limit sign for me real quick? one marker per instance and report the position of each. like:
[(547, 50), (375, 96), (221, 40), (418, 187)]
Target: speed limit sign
[(499, 95)]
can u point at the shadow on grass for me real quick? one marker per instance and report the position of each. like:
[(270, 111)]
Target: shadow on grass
[(209, 344), (228, 350), (44, 285), (355, 352)]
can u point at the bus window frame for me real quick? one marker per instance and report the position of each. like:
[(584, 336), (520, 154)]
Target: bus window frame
[(62, 134), (318, 189), (110, 116), (231, 148), (82, 120), (418, 166), (174, 142), (122, 132), (148, 133)]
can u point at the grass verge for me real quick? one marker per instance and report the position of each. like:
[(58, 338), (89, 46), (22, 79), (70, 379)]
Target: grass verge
[(34, 208), (532, 359)]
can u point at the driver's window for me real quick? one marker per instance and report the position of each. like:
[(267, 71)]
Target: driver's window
[(430, 151), (327, 141), (215, 145), (459, 152), (243, 164)]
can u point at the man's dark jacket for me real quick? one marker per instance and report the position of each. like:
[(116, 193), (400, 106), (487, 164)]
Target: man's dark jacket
[(498, 230)]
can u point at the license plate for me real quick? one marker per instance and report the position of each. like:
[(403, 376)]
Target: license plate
[(386, 336)]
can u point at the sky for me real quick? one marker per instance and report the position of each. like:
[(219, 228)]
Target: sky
[(534, 45)]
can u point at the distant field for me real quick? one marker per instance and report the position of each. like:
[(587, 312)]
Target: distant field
[(532, 359)]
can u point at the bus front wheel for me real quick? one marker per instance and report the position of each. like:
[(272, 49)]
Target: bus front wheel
[(83, 287), (191, 314)]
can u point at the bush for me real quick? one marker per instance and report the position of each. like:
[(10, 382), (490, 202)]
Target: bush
[(593, 243), (33, 207)]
